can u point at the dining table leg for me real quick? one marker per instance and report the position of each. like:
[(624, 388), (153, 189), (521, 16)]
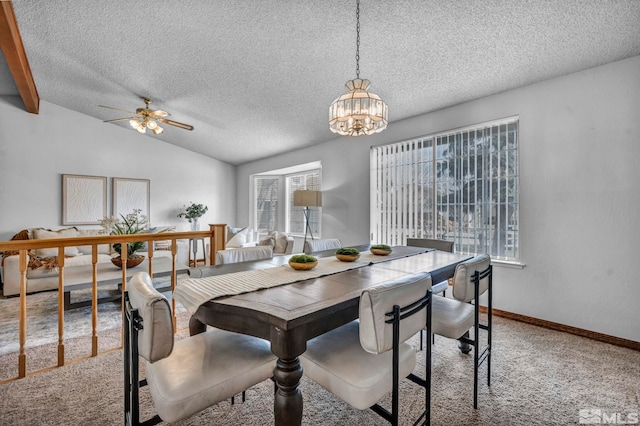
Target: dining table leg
[(287, 345), (196, 326), (287, 406)]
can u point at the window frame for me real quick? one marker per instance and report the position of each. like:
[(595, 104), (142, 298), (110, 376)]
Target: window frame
[(283, 211)]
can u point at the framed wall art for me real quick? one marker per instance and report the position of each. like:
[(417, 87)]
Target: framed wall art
[(84, 199), (130, 194)]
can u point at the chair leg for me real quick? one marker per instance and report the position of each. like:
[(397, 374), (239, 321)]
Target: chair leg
[(244, 398), (476, 342), (465, 348)]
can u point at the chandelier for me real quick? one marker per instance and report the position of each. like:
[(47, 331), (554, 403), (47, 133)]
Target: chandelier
[(358, 112)]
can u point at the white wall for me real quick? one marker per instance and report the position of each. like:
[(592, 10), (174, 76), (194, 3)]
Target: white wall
[(580, 195), (36, 149)]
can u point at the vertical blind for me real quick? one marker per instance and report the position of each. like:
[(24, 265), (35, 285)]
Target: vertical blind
[(460, 186)]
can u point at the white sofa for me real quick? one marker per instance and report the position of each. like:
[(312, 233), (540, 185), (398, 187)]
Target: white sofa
[(43, 278)]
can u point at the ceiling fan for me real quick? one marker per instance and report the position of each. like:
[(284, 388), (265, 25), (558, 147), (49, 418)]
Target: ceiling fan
[(146, 118)]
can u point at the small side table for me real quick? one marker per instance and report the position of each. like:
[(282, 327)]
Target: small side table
[(193, 248)]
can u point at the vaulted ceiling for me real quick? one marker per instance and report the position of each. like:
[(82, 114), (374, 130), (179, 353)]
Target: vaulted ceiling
[(256, 77)]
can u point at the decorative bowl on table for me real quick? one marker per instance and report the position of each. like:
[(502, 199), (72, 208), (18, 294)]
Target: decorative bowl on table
[(347, 254), (132, 261), (380, 249), (303, 262)]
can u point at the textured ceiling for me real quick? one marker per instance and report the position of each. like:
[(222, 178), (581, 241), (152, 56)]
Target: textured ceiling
[(256, 78)]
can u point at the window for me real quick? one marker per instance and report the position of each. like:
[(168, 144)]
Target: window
[(460, 186), (267, 191), (272, 199)]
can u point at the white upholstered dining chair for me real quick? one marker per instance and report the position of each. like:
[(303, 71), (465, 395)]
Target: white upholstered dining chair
[(312, 246), (243, 254), (364, 360), (453, 318), (436, 288), (188, 375)]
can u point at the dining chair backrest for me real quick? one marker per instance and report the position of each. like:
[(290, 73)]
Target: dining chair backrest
[(243, 254), (442, 245), (313, 246), (463, 283), (376, 332), (155, 339)]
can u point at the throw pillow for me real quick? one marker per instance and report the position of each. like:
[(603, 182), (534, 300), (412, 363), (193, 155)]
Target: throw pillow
[(269, 241), (281, 243), (102, 248), (153, 230), (232, 232), (239, 239), (45, 234)]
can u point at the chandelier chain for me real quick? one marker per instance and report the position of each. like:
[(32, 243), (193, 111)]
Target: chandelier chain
[(358, 39)]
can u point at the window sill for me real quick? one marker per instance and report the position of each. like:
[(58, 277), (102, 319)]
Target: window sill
[(508, 264)]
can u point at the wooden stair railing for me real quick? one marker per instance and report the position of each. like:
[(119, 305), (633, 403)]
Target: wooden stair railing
[(216, 235)]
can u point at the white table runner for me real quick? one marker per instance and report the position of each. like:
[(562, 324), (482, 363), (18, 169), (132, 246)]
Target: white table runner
[(193, 292)]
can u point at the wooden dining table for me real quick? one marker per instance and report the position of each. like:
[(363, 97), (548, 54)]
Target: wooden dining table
[(291, 314)]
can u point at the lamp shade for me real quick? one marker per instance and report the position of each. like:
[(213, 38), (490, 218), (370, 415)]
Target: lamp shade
[(305, 198)]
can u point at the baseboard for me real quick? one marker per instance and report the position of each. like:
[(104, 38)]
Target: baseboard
[(617, 341)]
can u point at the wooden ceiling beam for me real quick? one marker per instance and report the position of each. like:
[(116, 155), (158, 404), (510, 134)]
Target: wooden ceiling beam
[(16, 57)]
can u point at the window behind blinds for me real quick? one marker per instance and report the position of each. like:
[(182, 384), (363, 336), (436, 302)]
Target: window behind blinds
[(460, 186), (266, 201), (296, 221)]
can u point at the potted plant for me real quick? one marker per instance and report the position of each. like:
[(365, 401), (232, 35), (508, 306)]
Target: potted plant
[(347, 254), (192, 213), (380, 249), (303, 262), (132, 223)]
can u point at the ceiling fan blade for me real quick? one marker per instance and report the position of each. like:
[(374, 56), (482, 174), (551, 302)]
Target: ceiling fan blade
[(160, 113), (175, 123), (119, 119), (117, 109)]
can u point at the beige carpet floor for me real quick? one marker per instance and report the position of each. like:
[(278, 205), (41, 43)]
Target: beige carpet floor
[(540, 377)]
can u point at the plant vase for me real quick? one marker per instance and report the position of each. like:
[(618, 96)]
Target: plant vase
[(132, 261), (195, 226)]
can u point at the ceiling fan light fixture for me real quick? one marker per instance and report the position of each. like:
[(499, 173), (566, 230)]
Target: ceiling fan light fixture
[(358, 112), (152, 124), (142, 128), (135, 123), (157, 130)]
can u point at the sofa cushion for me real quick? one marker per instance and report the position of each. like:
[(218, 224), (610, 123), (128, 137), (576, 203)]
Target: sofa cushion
[(270, 241), (45, 234), (239, 239), (282, 241), (79, 260), (102, 248), (232, 232)]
